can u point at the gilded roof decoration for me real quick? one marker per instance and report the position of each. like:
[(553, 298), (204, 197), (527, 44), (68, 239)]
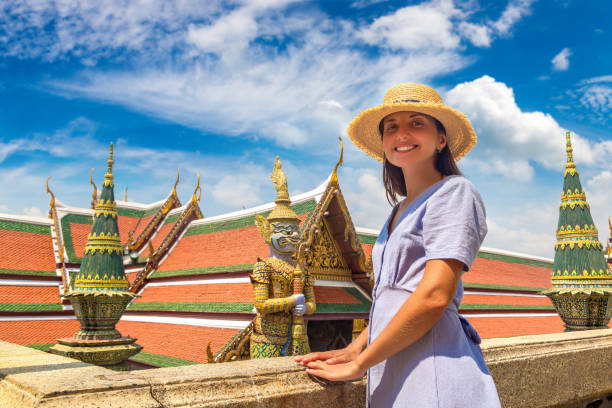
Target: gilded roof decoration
[(94, 195), (283, 211)]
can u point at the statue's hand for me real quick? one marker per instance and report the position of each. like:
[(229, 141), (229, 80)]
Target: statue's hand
[(299, 299), (299, 310), (300, 305)]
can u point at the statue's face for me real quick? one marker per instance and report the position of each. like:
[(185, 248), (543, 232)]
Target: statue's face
[(285, 237)]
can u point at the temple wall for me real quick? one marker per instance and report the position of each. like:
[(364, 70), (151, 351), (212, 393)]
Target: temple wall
[(555, 370)]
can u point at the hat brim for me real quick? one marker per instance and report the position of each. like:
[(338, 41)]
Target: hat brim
[(460, 135)]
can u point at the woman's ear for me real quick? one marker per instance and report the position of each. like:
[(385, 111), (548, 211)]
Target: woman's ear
[(441, 140)]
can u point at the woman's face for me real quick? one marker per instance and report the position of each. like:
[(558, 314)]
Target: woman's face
[(411, 139)]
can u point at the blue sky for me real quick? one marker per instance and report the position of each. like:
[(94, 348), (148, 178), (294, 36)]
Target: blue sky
[(221, 88)]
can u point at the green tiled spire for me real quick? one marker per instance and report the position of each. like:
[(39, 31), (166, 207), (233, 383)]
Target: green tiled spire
[(102, 265), (579, 259)]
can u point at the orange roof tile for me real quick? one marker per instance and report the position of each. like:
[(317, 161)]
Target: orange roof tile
[(79, 233), (331, 294), (224, 292), (30, 294), (161, 234), (238, 246), (506, 300), (228, 247), (143, 224), (26, 251), (489, 327), (174, 340), (125, 225), (496, 272)]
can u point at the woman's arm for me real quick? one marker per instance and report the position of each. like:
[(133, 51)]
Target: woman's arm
[(419, 313)]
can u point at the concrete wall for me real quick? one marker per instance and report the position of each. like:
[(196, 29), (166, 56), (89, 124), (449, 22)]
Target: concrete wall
[(565, 369)]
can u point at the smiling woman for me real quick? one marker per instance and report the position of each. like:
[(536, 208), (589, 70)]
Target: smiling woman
[(418, 351)]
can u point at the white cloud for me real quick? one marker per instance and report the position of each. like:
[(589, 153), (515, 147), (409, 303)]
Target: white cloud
[(33, 212), (514, 12), (90, 30), (599, 195), (603, 78), (479, 35), (422, 26), (237, 191), (561, 61), (509, 139), (597, 98)]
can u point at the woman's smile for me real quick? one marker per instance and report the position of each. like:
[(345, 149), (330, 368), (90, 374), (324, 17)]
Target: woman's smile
[(406, 148)]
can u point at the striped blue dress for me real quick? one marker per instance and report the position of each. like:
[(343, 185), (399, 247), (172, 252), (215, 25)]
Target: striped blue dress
[(444, 368)]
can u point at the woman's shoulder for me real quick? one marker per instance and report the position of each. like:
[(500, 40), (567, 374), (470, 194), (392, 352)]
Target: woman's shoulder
[(456, 187), (457, 183)]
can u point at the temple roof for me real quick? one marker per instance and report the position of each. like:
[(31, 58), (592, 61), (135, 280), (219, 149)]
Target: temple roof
[(26, 246)]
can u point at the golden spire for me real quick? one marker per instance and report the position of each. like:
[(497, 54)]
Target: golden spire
[(108, 177), (334, 177), (126, 194), (178, 176), (94, 195), (283, 211), (52, 202), (195, 199), (570, 166)]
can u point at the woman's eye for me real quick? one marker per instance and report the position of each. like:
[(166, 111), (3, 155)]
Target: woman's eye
[(417, 123)]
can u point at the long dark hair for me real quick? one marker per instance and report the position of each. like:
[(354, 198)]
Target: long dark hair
[(393, 177)]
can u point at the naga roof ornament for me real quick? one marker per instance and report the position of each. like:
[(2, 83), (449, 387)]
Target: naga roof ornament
[(580, 273), (94, 195), (52, 202), (178, 177), (194, 198)]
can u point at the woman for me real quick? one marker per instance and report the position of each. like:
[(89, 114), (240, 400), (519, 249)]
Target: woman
[(418, 350)]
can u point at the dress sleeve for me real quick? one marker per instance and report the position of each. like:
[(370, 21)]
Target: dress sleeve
[(454, 223)]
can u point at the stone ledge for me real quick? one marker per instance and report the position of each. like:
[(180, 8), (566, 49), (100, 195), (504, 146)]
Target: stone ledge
[(530, 371)]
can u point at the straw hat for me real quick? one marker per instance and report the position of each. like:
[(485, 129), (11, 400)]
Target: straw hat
[(363, 130)]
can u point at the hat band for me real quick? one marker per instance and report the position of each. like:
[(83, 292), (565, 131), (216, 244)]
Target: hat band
[(407, 100)]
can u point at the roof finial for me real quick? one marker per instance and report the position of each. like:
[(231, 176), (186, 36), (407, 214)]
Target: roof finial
[(283, 211), (108, 177), (126, 194), (94, 195), (334, 177), (178, 176), (193, 198), (568, 147), (52, 202), (570, 166)]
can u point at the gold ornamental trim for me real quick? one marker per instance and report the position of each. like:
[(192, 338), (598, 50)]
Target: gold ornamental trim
[(343, 275), (572, 204), (570, 170), (576, 195), (569, 231), (104, 243), (585, 273), (97, 281), (588, 243)]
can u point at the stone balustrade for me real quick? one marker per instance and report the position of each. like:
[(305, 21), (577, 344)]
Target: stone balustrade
[(556, 370)]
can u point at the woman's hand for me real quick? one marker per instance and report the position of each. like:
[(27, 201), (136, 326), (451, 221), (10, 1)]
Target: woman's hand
[(344, 355), (335, 372)]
